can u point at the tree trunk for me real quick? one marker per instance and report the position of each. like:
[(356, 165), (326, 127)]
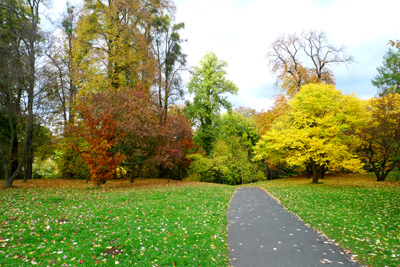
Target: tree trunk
[(323, 169), (308, 171), (29, 161), (8, 182), (379, 171), (316, 172), (381, 176), (133, 174), (14, 150)]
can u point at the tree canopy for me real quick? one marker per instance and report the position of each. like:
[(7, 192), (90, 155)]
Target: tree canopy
[(210, 88), (317, 130), (380, 135), (388, 78)]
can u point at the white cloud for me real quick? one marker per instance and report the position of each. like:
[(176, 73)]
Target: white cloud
[(240, 32)]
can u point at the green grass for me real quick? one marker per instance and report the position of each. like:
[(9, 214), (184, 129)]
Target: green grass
[(160, 226), (360, 215)]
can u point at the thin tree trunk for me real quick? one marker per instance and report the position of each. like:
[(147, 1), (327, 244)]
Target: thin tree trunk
[(133, 174), (14, 150), (29, 160)]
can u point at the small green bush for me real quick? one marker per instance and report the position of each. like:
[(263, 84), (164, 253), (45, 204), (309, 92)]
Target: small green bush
[(259, 176), (393, 176), (46, 169)]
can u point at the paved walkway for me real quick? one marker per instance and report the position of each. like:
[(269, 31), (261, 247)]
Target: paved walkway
[(262, 233)]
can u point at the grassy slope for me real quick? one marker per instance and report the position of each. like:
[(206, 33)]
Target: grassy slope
[(155, 224), (362, 215)]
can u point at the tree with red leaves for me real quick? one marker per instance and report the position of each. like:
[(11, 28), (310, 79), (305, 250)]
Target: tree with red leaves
[(134, 120), (98, 130)]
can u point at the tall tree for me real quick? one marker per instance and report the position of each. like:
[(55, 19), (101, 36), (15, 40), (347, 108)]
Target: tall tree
[(170, 60), (306, 58), (319, 129), (20, 22), (62, 66), (388, 78), (11, 86), (62, 71), (209, 86), (114, 40)]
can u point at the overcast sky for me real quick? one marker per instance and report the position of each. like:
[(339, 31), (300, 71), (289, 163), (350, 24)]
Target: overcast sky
[(241, 32)]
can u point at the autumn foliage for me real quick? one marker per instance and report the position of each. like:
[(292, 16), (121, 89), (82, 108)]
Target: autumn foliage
[(97, 129), (131, 119), (381, 135), (318, 130)]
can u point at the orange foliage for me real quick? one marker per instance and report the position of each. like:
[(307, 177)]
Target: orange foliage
[(264, 120), (98, 130)]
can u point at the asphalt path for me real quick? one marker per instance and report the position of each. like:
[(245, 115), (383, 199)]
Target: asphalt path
[(263, 233)]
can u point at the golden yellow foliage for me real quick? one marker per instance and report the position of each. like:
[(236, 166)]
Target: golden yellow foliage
[(318, 130)]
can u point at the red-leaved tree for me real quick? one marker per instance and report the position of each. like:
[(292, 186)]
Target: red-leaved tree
[(145, 136), (98, 129)]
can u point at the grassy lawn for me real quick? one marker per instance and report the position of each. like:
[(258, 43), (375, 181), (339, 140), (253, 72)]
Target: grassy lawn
[(155, 223), (150, 223), (360, 214)]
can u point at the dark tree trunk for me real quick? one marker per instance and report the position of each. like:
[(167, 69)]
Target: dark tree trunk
[(316, 172), (29, 160), (133, 174), (8, 182), (381, 176), (308, 171), (380, 173), (14, 150), (323, 171)]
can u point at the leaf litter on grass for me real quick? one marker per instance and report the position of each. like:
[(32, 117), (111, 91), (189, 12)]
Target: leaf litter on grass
[(182, 224), (358, 213)]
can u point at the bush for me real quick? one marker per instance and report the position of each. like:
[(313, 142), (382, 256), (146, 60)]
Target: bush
[(259, 176), (393, 176), (228, 163), (46, 169)]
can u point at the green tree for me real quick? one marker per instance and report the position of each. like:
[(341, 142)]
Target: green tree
[(236, 124), (388, 78), (209, 86), (228, 163)]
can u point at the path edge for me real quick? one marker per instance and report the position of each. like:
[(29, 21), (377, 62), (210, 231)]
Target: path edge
[(319, 232)]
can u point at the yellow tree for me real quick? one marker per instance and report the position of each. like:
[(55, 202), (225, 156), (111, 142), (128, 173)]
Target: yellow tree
[(318, 130), (381, 136), (114, 43)]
